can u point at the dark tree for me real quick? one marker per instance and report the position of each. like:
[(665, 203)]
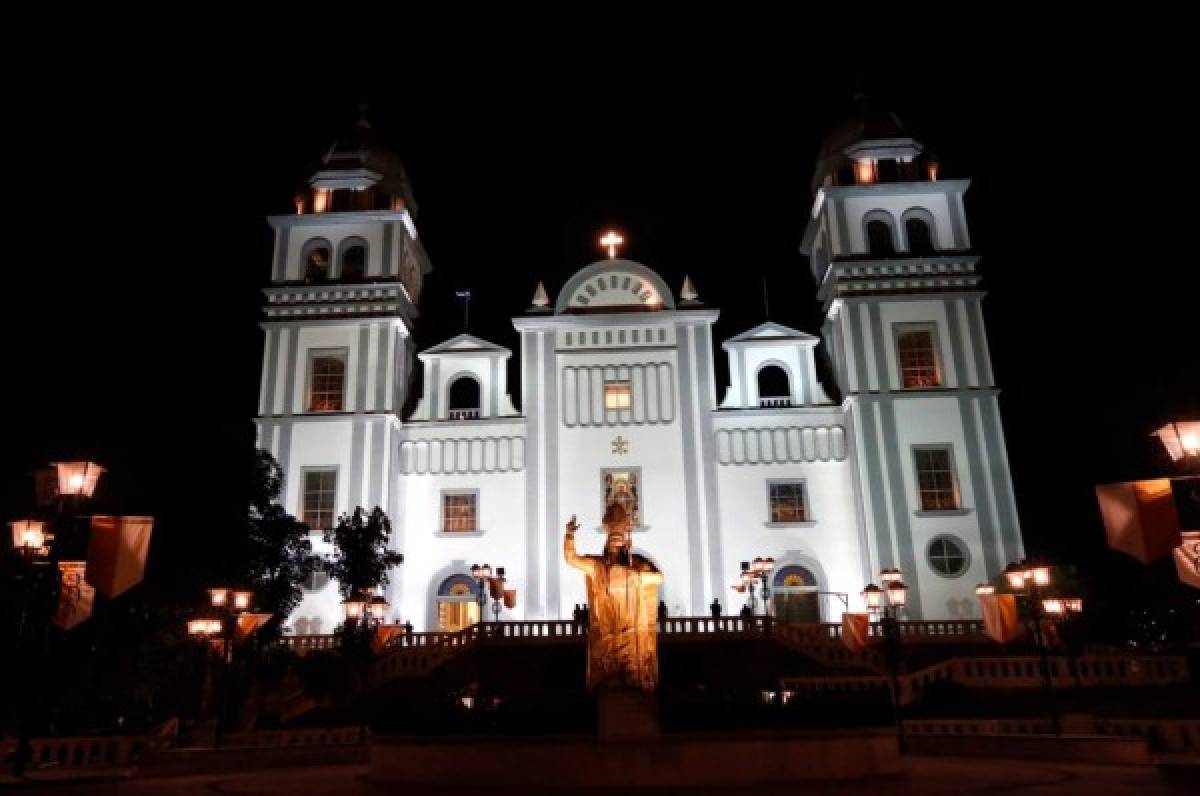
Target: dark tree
[(361, 558), (278, 554)]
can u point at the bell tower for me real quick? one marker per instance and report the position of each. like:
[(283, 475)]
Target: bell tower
[(889, 247), (346, 278)]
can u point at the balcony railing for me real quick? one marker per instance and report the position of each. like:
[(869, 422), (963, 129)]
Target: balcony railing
[(463, 414), (775, 402)]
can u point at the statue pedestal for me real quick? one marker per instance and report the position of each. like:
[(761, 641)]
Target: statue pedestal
[(627, 715)]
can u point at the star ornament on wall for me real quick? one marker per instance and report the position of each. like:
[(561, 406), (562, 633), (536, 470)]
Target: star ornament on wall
[(620, 445)]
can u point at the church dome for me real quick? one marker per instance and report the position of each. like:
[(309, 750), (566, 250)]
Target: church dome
[(867, 132), (358, 162), (614, 285)]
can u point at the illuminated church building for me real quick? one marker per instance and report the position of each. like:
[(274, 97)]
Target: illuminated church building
[(901, 463)]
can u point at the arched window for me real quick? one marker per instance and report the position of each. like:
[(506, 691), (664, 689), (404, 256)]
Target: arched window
[(316, 260), (879, 238), (920, 240), (464, 401), (774, 387), (353, 265)]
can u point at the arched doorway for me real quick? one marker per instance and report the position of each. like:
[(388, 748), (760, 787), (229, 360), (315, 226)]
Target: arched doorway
[(457, 603), (794, 593)]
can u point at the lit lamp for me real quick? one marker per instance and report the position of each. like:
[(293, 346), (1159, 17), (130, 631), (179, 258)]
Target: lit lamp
[(242, 600), (378, 606), (204, 628), (1181, 439), (30, 537), (897, 593), (873, 596), (890, 575), (77, 479), (1054, 606), (219, 598), (354, 607)]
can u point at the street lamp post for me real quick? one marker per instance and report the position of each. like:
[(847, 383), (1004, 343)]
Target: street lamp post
[(1027, 580), (228, 604), (886, 603), (754, 572), (484, 578)]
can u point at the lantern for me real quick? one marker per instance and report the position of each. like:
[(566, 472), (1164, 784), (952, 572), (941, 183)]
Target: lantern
[(1040, 573), (897, 593), (486, 570), (864, 171), (984, 589), (747, 578), (204, 628), (890, 575), (496, 588), (510, 598), (78, 479), (1054, 606), (1181, 439), (873, 595), (242, 600), (1015, 576), (378, 606), (29, 536), (354, 607), (219, 598), (1074, 605)]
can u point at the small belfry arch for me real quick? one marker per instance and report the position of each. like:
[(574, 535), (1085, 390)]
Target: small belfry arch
[(352, 259), (879, 233), (774, 384), (316, 260), (920, 231)]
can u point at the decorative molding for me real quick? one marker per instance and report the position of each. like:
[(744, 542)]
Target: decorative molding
[(462, 455), (781, 445), (652, 394)]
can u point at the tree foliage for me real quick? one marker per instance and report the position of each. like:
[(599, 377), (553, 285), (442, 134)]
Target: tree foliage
[(278, 554), (361, 558)]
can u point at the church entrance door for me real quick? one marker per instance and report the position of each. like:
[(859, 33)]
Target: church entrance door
[(797, 607)]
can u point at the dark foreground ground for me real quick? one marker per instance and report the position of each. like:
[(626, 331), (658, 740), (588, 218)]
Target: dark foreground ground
[(924, 776)]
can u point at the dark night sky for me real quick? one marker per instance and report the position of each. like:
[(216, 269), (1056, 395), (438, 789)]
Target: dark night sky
[(147, 181)]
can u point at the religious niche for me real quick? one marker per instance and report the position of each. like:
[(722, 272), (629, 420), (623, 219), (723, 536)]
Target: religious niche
[(622, 487)]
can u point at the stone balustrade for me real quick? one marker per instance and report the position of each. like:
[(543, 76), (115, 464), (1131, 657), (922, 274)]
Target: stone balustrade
[(1094, 671), (1179, 736), (93, 752), (313, 736)]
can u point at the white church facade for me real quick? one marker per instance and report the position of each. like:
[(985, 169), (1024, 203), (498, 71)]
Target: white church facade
[(900, 463)]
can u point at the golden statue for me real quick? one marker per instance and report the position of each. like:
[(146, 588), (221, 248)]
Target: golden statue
[(622, 589)]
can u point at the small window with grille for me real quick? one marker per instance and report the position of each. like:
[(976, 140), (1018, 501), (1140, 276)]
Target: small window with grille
[(917, 356), (326, 380), (787, 502), (460, 511), (937, 485), (320, 496)]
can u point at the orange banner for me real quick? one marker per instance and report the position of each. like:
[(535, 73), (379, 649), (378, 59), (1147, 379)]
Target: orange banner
[(383, 635), (1187, 559), (1000, 619), (1140, 518), (855, 630), (248, 625), (117, 553), (510, 598), (75, 597)]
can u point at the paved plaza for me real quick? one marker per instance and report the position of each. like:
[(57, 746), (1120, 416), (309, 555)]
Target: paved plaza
[(925, 776)]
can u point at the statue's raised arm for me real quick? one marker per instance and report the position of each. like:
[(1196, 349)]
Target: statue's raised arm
[(585, 564)]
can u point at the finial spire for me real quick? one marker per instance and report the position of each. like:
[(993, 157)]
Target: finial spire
[(540, 299), (688, 291)]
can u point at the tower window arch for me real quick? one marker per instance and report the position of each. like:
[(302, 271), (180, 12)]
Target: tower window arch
[(464, 398), (880, 234), (774, 386), (315, 260), (352, 260), (919, 230)]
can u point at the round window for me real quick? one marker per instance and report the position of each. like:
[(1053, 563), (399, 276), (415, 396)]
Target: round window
[(948, 556)]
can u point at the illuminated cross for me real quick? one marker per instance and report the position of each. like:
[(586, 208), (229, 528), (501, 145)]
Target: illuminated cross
[(611, 241)]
